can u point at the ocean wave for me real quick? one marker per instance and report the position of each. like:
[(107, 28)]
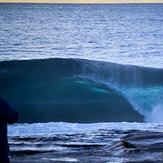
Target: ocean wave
[(78, 90)]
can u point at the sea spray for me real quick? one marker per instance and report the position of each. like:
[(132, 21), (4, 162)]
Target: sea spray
[(156, 114), (142, 87)]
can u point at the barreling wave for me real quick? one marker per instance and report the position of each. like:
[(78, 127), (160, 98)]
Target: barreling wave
[(76, 90)]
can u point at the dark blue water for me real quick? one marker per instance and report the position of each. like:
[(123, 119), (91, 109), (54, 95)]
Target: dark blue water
[(75, 73), (121, 33), (109, 79)]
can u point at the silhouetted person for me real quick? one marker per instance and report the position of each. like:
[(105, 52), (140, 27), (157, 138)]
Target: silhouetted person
[(7, 115)]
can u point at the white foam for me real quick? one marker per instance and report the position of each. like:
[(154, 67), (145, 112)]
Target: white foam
[(50, 128), (156, 115)]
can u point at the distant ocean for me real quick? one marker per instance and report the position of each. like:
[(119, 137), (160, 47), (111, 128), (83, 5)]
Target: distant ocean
[(82, 67)]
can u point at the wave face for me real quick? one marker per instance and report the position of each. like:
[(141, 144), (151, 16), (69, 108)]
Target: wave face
[(75, 90)]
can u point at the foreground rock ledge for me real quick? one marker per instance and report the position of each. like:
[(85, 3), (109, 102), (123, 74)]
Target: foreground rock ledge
[(102, 146)]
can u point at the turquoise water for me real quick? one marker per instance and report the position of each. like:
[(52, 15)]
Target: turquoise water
[(84, 91)]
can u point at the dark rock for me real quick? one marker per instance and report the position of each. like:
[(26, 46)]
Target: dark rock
[(128, 145), (131, 146)]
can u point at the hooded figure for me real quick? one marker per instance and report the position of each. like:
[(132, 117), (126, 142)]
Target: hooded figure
[(7, 115)]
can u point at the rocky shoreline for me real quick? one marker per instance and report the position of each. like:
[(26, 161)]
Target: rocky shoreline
[(102, 146)]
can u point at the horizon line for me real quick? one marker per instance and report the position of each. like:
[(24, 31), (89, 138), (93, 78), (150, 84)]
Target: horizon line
[(34, 2)]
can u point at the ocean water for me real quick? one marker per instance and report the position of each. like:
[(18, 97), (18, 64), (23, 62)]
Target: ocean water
[(121, 33), (66, 64)]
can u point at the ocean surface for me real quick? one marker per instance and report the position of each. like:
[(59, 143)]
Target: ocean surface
[(71, 68)]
